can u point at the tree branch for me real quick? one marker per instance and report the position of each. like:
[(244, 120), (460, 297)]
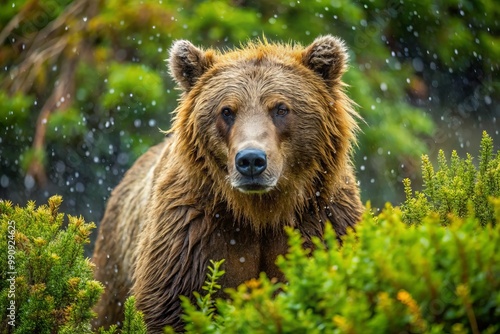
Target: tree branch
[(61, 98)]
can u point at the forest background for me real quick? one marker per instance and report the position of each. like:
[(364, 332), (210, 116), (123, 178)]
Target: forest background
[(84, 87)]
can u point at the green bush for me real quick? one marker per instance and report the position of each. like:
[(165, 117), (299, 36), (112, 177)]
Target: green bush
[(387, 278), (133, 323), (457, 187), (431, 266), (46, 284)]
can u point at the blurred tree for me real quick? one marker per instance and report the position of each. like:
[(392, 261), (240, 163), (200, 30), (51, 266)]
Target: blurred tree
[(84, 87)]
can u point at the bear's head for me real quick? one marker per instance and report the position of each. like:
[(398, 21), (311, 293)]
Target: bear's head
[(267, 124)]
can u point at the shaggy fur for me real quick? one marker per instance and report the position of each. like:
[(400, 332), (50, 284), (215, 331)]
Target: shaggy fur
[(181, 204)]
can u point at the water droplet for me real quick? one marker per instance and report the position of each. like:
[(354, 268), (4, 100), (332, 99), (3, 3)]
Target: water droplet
[(232, 242), (29, 182), (4, 181), (418, 64), (80, 187)]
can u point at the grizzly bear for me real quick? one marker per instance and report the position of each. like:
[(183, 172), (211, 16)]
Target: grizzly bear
[(262, 139)]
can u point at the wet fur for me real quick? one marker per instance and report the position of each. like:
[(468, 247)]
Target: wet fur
[(175, 209)]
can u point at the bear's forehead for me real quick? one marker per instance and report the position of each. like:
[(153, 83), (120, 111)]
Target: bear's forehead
[(254, 68), (251, 70), (261, 54), (257, 78)]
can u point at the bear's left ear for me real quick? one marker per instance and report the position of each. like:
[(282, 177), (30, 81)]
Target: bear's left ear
[(327, 56), (188, 63)]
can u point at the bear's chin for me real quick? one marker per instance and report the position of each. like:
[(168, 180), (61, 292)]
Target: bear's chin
[(259, 185), (254, 189)]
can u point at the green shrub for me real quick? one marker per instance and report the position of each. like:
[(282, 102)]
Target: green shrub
[(133, 323), (431, 266), (458, 187), (386, 278), (46, 284)]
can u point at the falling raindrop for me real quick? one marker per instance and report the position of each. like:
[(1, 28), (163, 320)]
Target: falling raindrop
[(4, 181), (29, 182)]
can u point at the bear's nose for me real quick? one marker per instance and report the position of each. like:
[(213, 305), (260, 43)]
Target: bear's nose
[(251, 162)]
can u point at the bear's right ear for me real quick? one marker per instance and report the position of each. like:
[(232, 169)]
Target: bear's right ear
[(188, 63)]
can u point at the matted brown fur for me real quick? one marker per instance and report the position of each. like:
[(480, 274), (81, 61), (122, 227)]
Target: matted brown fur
[(184, 202)]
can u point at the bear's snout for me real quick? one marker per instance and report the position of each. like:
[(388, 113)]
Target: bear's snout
[(251, 162), (253, 171)]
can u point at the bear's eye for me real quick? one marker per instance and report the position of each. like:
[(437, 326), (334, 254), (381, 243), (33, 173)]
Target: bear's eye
[(227, 113), (281, 110)]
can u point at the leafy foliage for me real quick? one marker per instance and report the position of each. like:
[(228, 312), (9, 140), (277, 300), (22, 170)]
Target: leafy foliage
[(44, 271), (46, 284), (458, 187), (370, 285), (205, 309), (133, 323)]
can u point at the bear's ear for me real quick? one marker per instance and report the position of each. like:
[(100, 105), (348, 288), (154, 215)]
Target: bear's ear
[(188, 63), (327, 56)]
